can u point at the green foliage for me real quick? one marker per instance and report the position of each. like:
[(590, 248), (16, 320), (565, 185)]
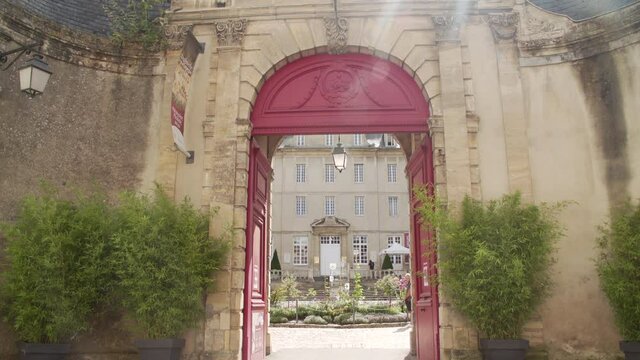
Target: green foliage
[(278, 319), (386, 263), (314, 319), (333, 312), (137, 22), (311, 294), (348, 318), (619, 268), (389, 285), (57, 273), (494, 259), (276, 296), (164, 260), (357, 293), (289, 287), (275, 262)]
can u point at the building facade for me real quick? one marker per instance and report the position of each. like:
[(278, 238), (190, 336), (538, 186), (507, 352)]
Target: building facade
[(537, 96), (321, 216)]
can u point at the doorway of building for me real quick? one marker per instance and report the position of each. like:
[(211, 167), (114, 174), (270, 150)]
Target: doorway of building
[(330, 259), (333, 94)]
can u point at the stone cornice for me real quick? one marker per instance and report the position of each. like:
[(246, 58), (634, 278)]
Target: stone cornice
[(550, 41), (75, 47), (347, 10)]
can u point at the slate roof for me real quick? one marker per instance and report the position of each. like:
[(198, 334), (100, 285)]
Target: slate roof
[(83, 15), (578, 10)]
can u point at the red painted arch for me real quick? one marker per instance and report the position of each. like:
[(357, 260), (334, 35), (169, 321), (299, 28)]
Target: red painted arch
[(351, 93)]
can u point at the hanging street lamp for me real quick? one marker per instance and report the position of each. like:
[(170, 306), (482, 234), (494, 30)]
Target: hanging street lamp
[(35, 73), (339, 157)]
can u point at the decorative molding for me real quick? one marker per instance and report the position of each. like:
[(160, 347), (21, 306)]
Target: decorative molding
[(537, 26), (448, 27), (175, 35), (337, 29), (575, 41), (230, 32), (338, 85), (504, 26)]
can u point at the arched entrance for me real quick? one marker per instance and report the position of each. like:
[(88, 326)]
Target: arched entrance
[(337, 94)]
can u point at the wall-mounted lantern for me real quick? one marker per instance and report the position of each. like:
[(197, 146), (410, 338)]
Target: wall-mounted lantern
[(35, 73)]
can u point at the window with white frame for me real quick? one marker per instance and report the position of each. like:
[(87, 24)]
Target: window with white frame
[(330, 239), (390, 141), (328, 140), (357, 139), (329, 205), (299, 140), (358, 173), (359, 205), (360, 249), (395, 239), (329, 173), (301, 173), (392, 173), (301, 205), (300, 250), (393, 206)]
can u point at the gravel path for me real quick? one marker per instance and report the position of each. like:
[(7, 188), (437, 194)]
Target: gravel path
[(339, 344)]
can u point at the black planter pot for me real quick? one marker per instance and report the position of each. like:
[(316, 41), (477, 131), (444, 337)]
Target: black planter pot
[(43, 351), (631, 349), (159, 349), (503, 349)]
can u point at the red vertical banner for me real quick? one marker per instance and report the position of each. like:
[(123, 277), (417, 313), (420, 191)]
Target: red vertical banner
[(180, 89)]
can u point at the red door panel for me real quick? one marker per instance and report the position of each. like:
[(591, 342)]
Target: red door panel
[(420, 172), (255, 296)]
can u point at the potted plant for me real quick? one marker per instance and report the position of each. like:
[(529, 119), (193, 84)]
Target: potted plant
[(164, 260), (494, 264), (56, 272), (619, 270)]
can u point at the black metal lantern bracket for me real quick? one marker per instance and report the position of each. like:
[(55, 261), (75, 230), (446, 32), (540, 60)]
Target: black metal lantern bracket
[(20, 50)]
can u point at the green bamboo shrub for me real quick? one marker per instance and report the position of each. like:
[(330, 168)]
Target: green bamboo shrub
[(619, 267), (57, 270), (164, 260), (494, 258)]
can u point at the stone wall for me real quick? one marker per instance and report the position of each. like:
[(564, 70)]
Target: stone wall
[(90, 127)]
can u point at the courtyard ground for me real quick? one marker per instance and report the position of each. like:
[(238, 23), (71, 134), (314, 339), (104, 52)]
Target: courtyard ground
[(390, 343)]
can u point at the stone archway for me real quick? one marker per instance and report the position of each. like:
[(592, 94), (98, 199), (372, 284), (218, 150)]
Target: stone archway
[(351, 93)]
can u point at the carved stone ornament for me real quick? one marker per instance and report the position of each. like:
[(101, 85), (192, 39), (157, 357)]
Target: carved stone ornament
[(175, 35), (447, 27), (503, 26), (337, 30), (338, 85), (231, 32)]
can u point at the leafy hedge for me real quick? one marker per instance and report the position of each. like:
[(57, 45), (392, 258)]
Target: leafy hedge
[(68, 258), (56, 274), (494, 259), (164, 259), (336, 313), (619, 268)]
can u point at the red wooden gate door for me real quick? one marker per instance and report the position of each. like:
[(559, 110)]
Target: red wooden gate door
[(420, 172), (255, 290)]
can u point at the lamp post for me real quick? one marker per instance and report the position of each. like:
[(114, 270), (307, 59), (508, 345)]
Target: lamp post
[(35, 73), (339, 156)]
